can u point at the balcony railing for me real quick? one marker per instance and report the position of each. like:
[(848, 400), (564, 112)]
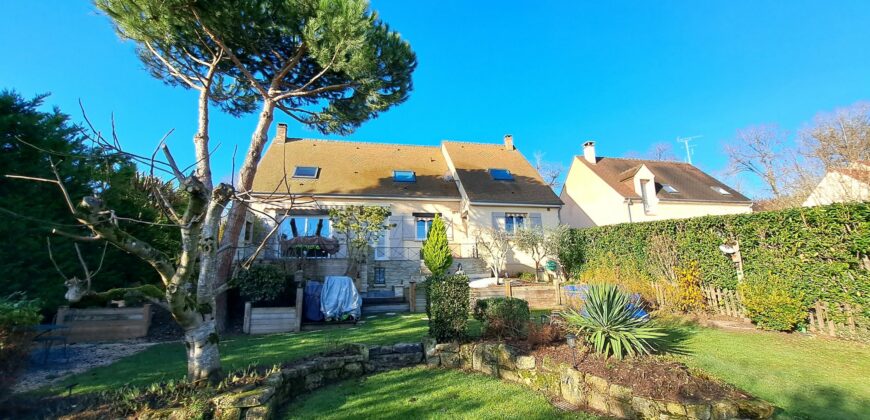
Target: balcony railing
[(407, 253)]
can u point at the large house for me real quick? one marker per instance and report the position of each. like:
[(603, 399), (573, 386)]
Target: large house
[(472, 186), (604, 191), (842, 185)]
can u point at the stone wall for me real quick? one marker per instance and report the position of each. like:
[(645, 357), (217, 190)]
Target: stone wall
[(581, 389), (265, 401)]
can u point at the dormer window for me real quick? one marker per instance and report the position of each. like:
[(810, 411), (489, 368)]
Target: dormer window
[(309, 172), (668, 188), (404, 176), (720, 190), (501, 174)]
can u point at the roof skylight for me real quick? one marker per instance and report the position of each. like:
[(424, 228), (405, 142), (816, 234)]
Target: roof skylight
[(669, 188), (306, 172), (501, 174), (720, 190), (404, 176)]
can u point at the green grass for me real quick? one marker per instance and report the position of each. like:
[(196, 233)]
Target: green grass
[(804, 376), (168, 361), (421, 393)]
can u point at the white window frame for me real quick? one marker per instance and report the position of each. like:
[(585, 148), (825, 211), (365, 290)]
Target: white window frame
[(644, 194), (513, 217), (428, 221)]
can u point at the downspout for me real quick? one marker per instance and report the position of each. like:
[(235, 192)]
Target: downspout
[(628, 204)]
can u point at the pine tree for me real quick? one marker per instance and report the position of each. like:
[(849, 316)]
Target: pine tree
[(436, 252)]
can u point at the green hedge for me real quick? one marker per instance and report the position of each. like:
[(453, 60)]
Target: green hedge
[(818, 252), (447, 305), (503, 317)]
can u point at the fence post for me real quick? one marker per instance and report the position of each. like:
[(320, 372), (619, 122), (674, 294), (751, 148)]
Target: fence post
[(557, 289), (507, 288), (299, 295), (412, 297), (246, 326)]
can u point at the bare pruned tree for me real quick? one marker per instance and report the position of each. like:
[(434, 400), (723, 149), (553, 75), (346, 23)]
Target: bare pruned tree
[(550, 172), (493, 245), (764, 151), (661, 151), (838, 139)]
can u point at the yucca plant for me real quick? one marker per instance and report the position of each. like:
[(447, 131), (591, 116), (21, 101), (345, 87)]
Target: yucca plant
[(612, 324)]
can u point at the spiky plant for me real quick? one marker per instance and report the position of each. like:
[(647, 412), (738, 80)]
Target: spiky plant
[(611, 323)]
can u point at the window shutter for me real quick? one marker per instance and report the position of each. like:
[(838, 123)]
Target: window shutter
[(498, 220), (409, 230), (535, 219), (395, 232), (448, 226)]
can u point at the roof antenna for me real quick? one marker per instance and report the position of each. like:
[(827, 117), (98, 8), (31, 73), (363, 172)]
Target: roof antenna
[(689, 148)]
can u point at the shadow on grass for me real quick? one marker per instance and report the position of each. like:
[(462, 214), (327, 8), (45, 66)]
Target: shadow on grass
[(677, 332), (825, 402)]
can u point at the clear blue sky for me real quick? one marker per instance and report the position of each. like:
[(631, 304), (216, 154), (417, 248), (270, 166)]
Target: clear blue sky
[(551, 73)]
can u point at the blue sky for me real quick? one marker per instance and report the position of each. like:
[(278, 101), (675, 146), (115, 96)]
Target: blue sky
[(553, 74)]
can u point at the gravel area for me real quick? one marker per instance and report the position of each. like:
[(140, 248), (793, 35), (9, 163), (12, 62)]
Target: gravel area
[(81, 357)]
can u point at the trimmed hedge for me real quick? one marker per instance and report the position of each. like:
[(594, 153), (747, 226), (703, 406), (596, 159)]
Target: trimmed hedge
[(817, 253), (447, 305), (503, 317)]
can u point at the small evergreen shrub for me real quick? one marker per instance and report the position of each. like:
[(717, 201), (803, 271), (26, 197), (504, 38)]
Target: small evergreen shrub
[(769, 304), (527, 277), (261, 283), (611, 324), (17, 317), (436, 251), (503, 317), (447, 306)]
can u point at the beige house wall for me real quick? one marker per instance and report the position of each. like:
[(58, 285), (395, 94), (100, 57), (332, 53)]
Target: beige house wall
[(838, 188), (589, 201)]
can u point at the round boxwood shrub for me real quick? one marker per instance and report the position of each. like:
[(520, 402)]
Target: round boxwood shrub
[(261, 283), (447, 306), (503, 317)]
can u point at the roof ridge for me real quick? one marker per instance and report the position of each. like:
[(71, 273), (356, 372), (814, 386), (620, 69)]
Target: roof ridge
[(477, 143), (640, 159), (357, 142)]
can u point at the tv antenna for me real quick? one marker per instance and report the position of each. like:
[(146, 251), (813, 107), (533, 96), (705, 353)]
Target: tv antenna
[(686, 141)]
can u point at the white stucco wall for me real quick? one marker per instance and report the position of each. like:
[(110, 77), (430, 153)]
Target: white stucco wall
[(838, 188)]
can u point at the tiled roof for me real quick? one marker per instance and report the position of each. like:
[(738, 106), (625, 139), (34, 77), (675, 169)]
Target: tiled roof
[(354, 169), (473, 162), (691, 183)]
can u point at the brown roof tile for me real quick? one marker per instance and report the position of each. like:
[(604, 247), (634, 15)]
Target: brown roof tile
[(691, 183), (473, 161), (354, 168)]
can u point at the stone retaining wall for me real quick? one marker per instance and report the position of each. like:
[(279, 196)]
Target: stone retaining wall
[(581, 389), (265, 401)]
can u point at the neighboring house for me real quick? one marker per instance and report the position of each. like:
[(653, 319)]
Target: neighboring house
[(842, 185), (470, 185), (604, 191)]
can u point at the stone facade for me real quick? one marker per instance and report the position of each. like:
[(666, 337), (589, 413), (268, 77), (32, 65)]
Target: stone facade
[(582, 389)]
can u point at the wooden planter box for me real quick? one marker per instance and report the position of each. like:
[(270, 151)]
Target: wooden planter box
[(104, 324), (273, 320)]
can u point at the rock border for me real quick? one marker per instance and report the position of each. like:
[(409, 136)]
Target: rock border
[(582, 389)]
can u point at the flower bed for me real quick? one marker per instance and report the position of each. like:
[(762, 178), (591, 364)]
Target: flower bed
[(644, 388)]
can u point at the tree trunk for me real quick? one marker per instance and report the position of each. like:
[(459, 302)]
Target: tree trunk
[(236, 217), (203, 357)]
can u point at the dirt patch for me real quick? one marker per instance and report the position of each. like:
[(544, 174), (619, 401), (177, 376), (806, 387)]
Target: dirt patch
[(655, 377)]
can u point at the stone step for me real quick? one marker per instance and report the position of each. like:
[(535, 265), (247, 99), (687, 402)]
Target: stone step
[(379, 309)]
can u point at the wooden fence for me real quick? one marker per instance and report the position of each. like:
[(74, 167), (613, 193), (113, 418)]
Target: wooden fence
[(273, 320), (539, 296), (723, 302), (104, 324), (824, 319)]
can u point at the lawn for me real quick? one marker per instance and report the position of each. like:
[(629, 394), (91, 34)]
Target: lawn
[(420, 393), (804, 376), (168, 361)]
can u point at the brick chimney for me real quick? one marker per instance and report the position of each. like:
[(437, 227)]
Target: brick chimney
[(589, 151), (509, 142), (281, 132)]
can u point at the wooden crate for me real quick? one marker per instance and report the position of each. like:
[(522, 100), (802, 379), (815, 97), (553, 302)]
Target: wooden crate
[(104, 324)]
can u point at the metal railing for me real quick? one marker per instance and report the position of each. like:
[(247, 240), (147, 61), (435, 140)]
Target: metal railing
[(405, 253)]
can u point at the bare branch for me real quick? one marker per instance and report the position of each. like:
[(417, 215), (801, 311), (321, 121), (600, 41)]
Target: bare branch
[(51, 257)]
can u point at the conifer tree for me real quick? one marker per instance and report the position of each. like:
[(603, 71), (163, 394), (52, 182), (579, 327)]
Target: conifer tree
[(436, 252)]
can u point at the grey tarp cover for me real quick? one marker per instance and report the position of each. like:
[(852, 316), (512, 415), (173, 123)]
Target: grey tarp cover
[(339, 298)]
